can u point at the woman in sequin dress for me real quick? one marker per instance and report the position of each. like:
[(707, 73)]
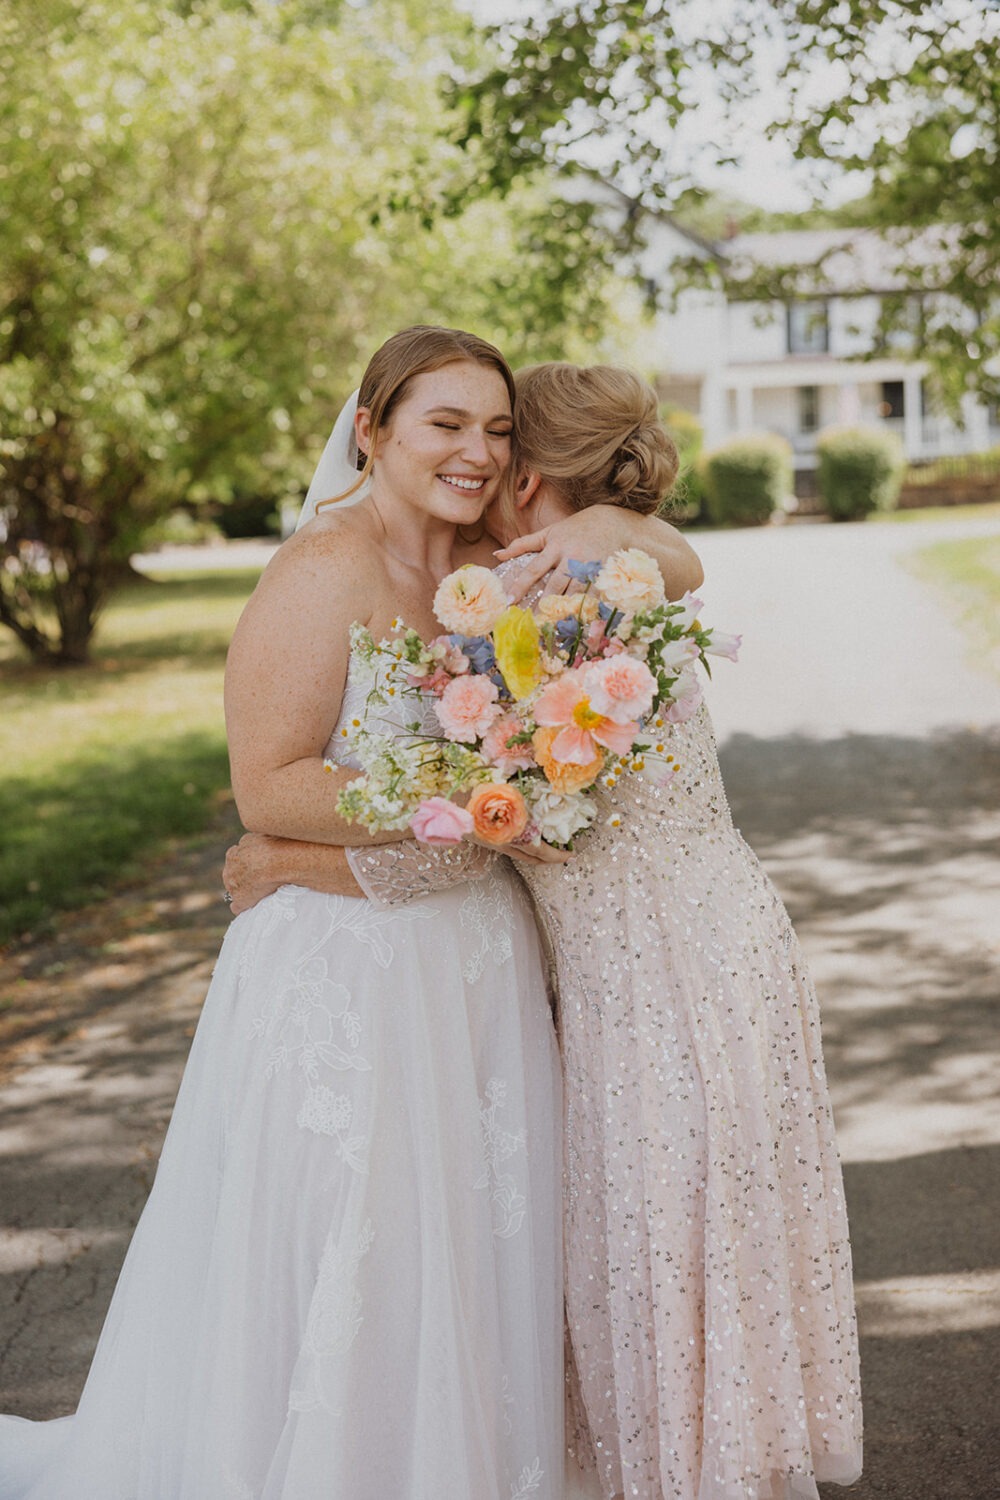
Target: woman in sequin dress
[(713, 1348)]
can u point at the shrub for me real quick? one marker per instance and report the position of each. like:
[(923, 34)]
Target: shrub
[(747, 479), (180, 527), (687, 499), (860, 471), (248, 515)]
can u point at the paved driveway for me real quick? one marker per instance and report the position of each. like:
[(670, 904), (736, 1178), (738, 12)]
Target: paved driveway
[(862, 757), (861, 747)]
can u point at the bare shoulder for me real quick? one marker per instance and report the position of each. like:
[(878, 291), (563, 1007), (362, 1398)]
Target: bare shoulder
[(336, 559)]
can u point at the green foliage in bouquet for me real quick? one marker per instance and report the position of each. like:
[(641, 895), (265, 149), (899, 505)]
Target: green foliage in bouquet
[(860, 471), (746, 479)]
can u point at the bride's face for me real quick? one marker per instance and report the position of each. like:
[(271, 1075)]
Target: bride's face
[(446, 446)]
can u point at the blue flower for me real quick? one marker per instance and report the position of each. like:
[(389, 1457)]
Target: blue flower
[(566, 631), (583, 572), (479, 650)]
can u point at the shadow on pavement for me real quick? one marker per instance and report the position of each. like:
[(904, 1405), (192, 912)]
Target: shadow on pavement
[(887, 851)]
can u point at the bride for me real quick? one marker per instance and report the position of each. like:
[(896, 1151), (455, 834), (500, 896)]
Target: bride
[(347, 1282)]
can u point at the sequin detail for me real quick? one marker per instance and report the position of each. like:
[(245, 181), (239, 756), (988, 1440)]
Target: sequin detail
[(709, 1296)]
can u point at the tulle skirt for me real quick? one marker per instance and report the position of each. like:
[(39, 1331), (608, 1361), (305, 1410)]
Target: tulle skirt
[(346, 1284)]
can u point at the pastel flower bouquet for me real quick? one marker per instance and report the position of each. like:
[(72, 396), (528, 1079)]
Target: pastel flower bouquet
[(532, 708)]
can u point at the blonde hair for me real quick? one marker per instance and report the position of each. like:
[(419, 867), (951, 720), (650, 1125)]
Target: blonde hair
[(594, 433), (414, 351)]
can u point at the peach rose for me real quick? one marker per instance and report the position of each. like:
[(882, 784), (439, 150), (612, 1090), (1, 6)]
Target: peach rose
[(563, 775), (499, 812), (470, 601), (630, 580)]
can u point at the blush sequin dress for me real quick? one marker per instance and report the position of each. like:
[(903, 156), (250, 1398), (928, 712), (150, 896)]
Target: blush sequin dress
[(708, 1268), (712, 1344)]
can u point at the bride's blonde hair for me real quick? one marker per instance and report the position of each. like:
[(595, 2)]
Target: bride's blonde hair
[(594, 433), (414, 351)]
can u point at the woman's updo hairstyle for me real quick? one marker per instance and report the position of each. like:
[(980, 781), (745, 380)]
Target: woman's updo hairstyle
[(414, 351), (594, 433)]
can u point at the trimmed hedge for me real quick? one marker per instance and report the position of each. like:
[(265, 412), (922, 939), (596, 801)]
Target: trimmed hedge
[(687, 498), (747, 479), (860, 471)]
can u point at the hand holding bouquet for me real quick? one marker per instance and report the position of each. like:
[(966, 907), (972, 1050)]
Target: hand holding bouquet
[(532, 707)]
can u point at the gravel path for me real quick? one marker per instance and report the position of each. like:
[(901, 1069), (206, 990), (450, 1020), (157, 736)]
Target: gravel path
[(862, 756)]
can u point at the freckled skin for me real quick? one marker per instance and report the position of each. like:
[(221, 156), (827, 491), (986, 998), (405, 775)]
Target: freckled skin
[(288, 660)]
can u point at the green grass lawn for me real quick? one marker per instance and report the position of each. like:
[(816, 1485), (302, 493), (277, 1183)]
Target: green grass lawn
[(968, 574), (986, 512), (104, 763)]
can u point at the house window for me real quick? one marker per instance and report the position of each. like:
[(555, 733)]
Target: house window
[(808, 408), (892, 407), (902, 323), (808, 328)]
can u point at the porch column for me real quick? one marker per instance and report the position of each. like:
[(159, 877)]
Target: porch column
[(849, 404), (744, 408), (913, 423), (714, 410)]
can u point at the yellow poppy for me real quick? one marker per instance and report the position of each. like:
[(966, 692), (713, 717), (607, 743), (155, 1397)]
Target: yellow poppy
[(517, 644)]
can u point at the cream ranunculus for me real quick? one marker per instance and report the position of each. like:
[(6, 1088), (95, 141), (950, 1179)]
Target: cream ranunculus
[(556, 607), (630, 580), (470, 601)]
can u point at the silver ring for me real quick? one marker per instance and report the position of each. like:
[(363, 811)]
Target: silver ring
[(227, 897)]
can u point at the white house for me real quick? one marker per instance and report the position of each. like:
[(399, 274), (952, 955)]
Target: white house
[(796, 366)]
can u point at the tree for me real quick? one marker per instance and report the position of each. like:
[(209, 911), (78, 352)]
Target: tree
[(906, 91), (196, 256)]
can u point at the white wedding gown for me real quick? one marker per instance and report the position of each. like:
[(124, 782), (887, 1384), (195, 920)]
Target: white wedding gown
[(347, 1282)]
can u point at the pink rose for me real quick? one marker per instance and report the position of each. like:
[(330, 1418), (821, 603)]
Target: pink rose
[(438, 821), (621, 688), (467, 708), (451, 657), (507, 758), (435, 682)]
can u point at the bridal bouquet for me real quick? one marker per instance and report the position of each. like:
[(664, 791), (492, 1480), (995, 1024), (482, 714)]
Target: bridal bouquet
[(532, 708)]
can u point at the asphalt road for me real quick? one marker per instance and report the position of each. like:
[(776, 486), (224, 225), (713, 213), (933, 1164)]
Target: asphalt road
[(861, 746)]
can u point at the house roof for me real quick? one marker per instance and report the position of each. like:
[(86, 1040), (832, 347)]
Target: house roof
[(844, 261)]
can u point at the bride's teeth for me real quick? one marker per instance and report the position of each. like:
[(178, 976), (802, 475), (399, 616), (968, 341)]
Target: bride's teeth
[(463, 484)]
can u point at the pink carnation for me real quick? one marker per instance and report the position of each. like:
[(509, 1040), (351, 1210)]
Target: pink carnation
[(438, 821), (507, 758), (467, 708), (621, 688)]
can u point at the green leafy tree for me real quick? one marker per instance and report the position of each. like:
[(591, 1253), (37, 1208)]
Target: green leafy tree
[(197, 254), (907, 91)]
